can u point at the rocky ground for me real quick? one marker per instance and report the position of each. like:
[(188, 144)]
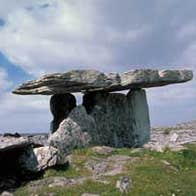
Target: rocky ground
[(164, 166), (173, 138)]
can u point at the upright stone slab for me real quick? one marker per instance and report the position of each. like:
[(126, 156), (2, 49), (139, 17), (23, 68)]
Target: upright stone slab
[(111, 114), (121, 121), (60, 106), (139, 116)]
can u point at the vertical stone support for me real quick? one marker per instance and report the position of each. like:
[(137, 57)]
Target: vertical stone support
[(60, 106), (139, 116), (121, 120), (111, 114)]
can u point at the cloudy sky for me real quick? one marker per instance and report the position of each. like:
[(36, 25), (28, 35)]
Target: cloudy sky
[(43, 36)]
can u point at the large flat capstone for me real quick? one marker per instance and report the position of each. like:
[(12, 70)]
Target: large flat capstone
[(92, 80)]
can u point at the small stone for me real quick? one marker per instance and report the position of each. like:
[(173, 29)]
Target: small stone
[(6, 193), (174, 137), (103, 150), (97, 167), (166, 162), (124, 184)]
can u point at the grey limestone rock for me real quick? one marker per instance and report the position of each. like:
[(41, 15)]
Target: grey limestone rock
[(124, 184), (111, 114), (121, 120), (11, 143), (56, 181), (92, 80), (73, 132), (38, 140), (139, 116), (38, 159)]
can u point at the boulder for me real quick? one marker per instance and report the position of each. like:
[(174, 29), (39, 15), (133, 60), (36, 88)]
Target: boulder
[(60, 106), (38, 159), (72, 132), (11, 149), (92, 80)]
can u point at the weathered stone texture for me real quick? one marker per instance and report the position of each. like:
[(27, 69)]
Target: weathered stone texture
[(72, 132), (120, 120), (92, 80), (139, 116), (11, 143), (38, 159), (110, 111)]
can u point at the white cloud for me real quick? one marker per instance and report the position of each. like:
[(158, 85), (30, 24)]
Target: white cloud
[(62, 36), (49, 36), (24, 113), (4, 82)]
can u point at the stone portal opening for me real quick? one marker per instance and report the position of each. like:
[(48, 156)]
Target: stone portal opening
[(60, 106)]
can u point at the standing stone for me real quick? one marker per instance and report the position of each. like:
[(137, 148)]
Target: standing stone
[(121, 121), (139, 116), (111, 114), (60, 106)]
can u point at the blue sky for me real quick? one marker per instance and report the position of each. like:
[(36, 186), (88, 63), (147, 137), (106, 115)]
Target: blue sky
[(43, 36)]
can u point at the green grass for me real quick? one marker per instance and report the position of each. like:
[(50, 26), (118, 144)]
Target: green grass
[(152, 174), (87, 187)]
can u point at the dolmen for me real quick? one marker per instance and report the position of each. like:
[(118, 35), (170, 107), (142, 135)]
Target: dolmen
[(106, 116)]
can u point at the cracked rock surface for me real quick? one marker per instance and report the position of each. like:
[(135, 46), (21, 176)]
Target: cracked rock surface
[(92, 80)]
